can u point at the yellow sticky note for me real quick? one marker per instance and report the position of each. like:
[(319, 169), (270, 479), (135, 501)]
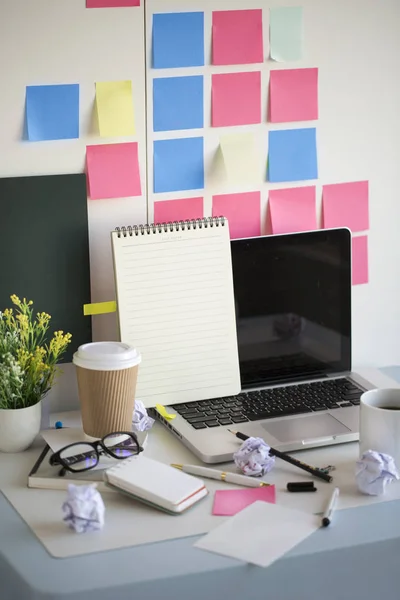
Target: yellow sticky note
[(99, 308), (240, 157), (161, 409), (114, 105)]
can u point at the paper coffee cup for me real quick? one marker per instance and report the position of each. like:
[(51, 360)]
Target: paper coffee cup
[(107, 375), (380, 422)]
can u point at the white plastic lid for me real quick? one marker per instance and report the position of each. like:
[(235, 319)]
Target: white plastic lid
[(106, 356)]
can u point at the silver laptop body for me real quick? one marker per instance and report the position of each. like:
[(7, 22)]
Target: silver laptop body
[(293, 316)]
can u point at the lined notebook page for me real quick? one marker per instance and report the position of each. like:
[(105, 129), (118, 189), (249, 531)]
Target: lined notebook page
[(176, 306)]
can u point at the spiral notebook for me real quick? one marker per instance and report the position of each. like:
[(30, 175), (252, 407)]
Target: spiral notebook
[(176, 306)]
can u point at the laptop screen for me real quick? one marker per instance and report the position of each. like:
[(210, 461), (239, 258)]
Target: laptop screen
[(293, 305)]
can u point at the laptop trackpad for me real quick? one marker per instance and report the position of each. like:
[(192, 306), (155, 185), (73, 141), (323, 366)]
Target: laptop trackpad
[(294, 430)]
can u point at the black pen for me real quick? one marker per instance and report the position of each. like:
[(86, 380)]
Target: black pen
[(289, 459)]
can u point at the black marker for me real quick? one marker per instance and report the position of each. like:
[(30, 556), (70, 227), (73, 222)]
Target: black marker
[(327, 517)]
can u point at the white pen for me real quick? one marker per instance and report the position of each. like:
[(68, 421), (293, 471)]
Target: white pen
[(221, 475), (327, 517)]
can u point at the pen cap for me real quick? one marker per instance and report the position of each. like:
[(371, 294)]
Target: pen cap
[(301, 486)]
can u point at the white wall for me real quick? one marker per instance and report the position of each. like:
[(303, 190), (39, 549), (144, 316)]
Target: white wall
[(356, 46), (53, 41), (354, 43), (60, 41)]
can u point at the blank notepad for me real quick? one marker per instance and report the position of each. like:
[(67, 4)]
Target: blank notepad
[(176, 306)]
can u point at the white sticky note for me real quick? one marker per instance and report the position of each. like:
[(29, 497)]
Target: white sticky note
[(260, 534), (286, 33)]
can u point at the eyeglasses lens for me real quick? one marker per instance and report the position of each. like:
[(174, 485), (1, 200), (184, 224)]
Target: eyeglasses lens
[(120, 445), (79, 457)]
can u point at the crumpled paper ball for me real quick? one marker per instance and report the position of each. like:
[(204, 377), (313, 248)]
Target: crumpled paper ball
[(141, 420), (84, 508), (374, 471), (253, 457)]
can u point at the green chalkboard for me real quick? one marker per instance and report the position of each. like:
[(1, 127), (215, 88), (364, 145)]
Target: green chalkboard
[(44, 249)]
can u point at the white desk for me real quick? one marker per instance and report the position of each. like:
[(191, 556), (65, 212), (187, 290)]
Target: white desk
[(356, 559)]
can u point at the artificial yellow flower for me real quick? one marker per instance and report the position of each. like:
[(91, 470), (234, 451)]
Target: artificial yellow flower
[(43, 320), (15, 300), (23, 321), (23, 338), (8, 316), (59, 341), (22, 358)]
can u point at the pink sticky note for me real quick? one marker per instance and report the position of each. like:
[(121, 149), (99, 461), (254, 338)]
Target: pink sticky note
[(237, 37), (229, 502), (346, 205), (111, 3), (293, 209), (178, 210), (293, 95), (236, 99), (242, 212), (359, 248), (113, 170)]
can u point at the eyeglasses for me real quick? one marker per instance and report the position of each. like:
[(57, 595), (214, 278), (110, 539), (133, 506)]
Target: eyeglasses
[(83, 456)]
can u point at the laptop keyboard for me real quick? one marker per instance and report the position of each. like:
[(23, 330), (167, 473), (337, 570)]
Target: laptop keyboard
[(271, 403)]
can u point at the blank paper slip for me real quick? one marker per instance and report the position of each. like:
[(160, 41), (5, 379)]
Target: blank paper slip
[(176, 306), (260, 533)]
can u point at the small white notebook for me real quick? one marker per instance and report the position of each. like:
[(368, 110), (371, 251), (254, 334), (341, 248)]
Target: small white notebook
[(176, 306), (156, 483)]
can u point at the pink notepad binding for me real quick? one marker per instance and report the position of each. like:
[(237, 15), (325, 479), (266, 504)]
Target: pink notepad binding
[(229, 502)]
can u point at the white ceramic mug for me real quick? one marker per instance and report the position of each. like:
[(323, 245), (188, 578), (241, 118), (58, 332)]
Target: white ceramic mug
[(380, 422)]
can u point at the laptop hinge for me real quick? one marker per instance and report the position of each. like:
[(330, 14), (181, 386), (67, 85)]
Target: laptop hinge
[(289, 379)]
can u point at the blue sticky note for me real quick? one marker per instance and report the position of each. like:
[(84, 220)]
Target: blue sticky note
[(52, 112), (292, 155), (179, 164), (178, 40), (178, 103)]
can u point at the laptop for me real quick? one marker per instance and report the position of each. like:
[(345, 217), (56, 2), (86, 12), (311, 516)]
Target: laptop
[(293, 319)]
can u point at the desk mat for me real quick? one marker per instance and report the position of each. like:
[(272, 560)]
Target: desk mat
[(128, 523)]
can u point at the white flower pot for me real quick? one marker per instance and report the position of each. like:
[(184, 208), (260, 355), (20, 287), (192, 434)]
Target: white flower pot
[(19, 427)]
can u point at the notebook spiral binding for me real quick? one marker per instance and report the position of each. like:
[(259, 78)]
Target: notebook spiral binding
[(171, 226)]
